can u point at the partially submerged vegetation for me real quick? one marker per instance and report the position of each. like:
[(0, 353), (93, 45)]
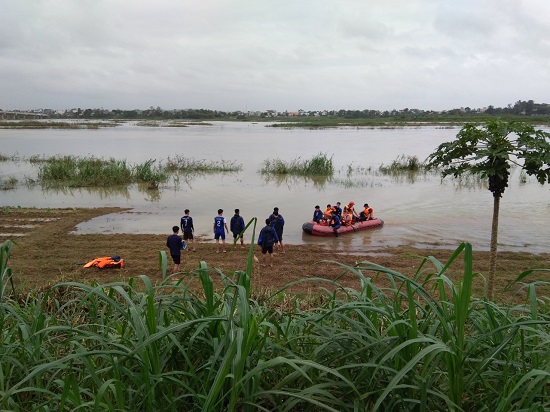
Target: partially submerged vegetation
[(403, 164), (35, 124), (421, 343), (8, 184), (189, 165), (319, 165), (73, 171)]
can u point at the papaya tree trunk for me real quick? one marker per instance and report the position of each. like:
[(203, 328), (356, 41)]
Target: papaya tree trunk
[(493, 253)]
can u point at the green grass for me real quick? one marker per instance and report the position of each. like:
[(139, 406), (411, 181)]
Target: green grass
[(319, 165), (59, 172), (403, 164), (416, 344), (183, 164), (80, 172), (8, 184), (34, 124)]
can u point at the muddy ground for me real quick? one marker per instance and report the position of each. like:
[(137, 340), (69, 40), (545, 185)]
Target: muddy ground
[(47, 252)]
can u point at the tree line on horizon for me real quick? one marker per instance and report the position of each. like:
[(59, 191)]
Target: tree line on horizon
[(520, 108)]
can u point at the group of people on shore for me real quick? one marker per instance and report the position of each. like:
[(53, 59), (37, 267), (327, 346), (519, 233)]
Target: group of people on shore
[(336, 216), (270, 235)]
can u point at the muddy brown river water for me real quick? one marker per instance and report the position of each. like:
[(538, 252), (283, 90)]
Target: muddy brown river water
[(421, 210)]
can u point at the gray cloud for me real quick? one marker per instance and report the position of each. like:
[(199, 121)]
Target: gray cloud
[(237, 55)]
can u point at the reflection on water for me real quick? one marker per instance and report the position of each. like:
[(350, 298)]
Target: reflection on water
[(103, 193), (290, 181), (410, 176), (186, 178)]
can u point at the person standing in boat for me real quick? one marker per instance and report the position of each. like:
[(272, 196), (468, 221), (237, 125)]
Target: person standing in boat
[(278, 222), (335, 222)]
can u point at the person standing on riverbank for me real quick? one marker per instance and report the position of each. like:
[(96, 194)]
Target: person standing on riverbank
[(236, 225), (220, 229), (187, 228), (278, 222), (266, 240), (175, 244)]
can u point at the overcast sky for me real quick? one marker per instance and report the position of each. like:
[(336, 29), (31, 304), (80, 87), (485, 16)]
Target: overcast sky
[(265, 54)]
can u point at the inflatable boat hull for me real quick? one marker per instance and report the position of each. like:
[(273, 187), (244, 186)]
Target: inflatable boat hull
[(316, 229)]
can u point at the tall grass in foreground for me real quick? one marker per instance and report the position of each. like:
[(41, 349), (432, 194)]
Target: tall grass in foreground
[(319, 165), (417, 344)]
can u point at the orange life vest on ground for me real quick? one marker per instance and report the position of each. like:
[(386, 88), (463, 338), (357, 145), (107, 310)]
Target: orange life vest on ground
[(106, 262)]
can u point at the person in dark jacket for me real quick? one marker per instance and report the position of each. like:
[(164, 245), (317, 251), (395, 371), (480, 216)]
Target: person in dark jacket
[(175, 243), (267, 238), (277, 221), (186, 224), (335, 222), (317, 214), (236, 225)]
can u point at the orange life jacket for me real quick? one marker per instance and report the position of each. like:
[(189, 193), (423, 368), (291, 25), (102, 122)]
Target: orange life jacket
[(369, 212), (106, 262)]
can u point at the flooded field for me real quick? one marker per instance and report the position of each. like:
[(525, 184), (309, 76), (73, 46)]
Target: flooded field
[(418, 210)]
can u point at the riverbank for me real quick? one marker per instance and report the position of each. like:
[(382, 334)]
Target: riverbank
[(47, 252)]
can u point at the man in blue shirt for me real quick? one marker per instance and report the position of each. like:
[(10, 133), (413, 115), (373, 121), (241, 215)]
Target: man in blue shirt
[(175, 244), (266, 240), (338, 209), (220, 229), (187, 228), (335, 222)]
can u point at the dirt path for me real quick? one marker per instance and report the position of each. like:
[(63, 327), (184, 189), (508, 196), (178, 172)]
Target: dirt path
[(47, 252)]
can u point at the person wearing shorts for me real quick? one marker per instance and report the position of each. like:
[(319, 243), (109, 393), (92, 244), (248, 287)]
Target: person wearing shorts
[(236, 225), (266, 240), (187, 229), (220, 229), (175, 244)]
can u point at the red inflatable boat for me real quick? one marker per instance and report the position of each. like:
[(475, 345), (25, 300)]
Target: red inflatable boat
[(322, 230)]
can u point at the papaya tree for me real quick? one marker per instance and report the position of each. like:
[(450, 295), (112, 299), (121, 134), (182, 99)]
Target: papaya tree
[(489, 150)]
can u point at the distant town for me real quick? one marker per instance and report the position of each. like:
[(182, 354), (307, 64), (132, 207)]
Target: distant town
[(520, 108)]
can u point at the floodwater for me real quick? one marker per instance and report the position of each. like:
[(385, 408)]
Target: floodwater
[(424, 210)]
